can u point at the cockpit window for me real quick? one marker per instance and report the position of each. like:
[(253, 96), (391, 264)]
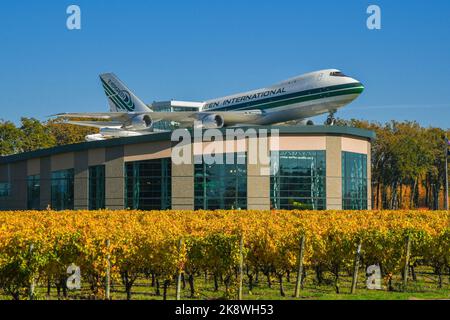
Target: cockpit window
[(337, 74)]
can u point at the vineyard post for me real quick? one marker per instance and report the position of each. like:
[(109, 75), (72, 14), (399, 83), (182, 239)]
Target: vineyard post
[(178, 293), (241, 266), (408, 253), (355, 268), (108, 273), (32, 284), (300, 267)]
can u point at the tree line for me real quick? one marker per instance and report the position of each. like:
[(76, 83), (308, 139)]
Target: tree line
[(33, 134), (408, 160)]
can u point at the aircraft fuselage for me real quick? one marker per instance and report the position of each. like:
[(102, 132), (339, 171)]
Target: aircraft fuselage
[(297, 98)]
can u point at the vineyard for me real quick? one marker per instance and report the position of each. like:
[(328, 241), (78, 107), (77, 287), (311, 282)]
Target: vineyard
[(237, 251)]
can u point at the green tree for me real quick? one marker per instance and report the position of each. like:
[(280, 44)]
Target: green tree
[(65, 133), (10, 138), (35, 135)]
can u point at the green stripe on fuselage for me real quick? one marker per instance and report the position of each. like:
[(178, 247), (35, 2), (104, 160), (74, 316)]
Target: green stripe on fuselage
[(307, 98), (298, 97)]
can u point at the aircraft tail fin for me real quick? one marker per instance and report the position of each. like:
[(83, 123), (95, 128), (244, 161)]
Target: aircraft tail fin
[(120, 98)]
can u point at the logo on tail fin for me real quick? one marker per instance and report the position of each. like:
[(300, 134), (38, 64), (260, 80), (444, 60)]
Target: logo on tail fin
[(121, 98), (126, 97)]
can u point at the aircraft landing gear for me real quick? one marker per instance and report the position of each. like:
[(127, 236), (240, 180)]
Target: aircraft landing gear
[(331, 120)]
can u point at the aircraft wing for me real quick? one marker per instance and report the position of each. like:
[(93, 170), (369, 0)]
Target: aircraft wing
[(94, 115), (229, 117), (96, 124)]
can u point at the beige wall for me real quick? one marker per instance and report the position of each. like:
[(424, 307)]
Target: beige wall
[(81, 187), (354, 145), (258, 178), (240, 145), (291, 143), (147, 151), (114, 182), (62, 161), (183, 186), (96, 157), (334, 172), (33, 167)]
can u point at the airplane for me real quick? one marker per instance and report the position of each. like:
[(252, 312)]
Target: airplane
[(295, 99)]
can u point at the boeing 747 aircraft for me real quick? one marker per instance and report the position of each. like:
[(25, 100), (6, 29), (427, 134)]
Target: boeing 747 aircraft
[(298, 98)]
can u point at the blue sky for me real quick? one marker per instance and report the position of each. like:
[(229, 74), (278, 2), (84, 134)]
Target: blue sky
[(194, 50)]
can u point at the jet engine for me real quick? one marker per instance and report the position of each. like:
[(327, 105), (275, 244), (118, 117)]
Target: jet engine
[(140, 122), (211, 121)]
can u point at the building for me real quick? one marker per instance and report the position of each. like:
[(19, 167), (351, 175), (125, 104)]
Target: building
[(310, 167), (172, 106)]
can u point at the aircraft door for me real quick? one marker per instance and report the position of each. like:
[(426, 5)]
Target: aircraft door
[(320, 77)]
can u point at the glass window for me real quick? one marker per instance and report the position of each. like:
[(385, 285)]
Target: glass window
[(34, 192), (62, 184), (337, 74), (354, 181), (184, 109), (148, 184), (5, 189), (165, 125), (298, 180), (96, 187), (221, 186)]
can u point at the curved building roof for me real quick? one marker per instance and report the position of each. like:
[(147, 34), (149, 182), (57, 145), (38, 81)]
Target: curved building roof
[(164, 136)]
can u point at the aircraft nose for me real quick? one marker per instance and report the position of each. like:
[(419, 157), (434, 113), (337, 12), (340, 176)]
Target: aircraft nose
[(359, 86)]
